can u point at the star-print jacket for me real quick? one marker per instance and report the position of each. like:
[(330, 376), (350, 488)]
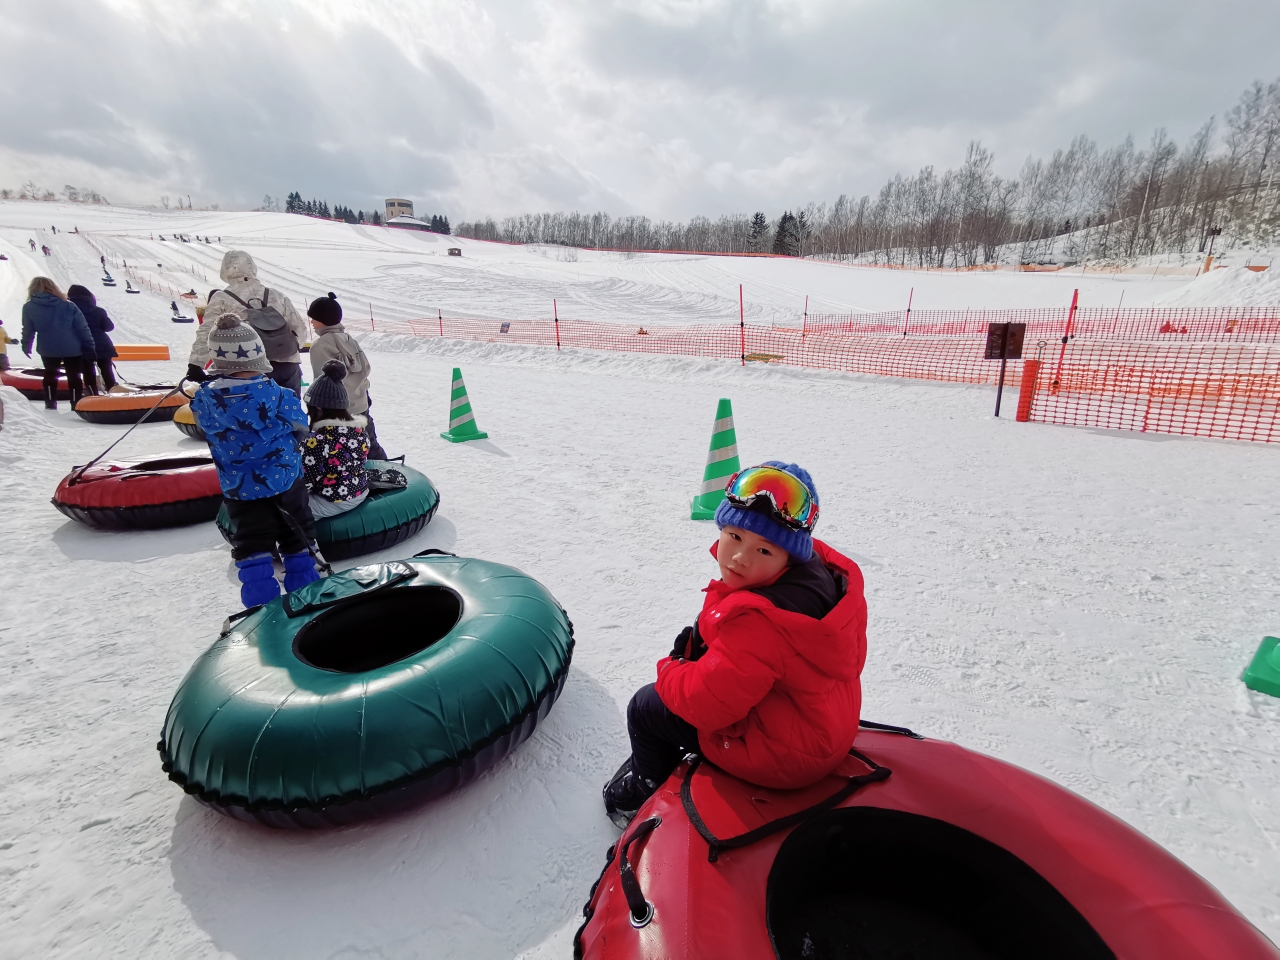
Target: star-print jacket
[(254, 426), (333, 459)]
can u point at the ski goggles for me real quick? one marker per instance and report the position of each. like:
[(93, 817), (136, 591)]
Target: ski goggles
[(790, 502)]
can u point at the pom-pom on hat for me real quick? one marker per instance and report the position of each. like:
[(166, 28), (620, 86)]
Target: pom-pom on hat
[(328, 392), (756, 519), (236, 347), (325, 310)]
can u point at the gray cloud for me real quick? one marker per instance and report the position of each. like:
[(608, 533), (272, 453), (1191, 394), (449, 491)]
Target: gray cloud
[(670, 107)]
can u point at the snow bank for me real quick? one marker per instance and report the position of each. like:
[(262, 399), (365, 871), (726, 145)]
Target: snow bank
[(1228, 287)]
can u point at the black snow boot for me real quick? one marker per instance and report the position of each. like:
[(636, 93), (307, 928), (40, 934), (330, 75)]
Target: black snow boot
[(625, 793), (76, 395), (50, 397)]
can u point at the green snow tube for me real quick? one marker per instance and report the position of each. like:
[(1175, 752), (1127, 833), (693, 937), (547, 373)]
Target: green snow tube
[(386, 517), (366, 692)]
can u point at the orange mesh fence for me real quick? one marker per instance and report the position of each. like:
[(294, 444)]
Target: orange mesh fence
[(1226, 324), (1226, 390), (1126, 370)]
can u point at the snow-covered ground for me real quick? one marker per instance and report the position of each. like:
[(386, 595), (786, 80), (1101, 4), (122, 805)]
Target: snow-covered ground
[(1079, 602)]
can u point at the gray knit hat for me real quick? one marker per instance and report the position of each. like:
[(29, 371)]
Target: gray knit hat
[(236, 347), (328, 392)]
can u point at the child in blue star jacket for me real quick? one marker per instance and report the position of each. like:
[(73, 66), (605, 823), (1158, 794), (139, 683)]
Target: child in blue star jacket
[(254, 426)]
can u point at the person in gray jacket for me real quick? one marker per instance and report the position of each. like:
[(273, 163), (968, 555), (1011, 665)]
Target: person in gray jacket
[(269, 312), (332, 342), (60, 335)]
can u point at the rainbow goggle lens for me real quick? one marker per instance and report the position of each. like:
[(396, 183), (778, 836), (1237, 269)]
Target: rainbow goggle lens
[(790, 501)]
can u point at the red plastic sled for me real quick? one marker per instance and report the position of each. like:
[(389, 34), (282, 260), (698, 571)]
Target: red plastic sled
[(951, 854)]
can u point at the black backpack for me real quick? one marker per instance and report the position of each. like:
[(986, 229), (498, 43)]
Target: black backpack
[(277, 338)]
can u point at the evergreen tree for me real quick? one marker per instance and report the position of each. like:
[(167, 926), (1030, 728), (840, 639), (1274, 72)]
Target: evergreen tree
[(359, 216), (324, 209), (444, 225), (759, 236), (786, 240), (293, 202), (376, 219)]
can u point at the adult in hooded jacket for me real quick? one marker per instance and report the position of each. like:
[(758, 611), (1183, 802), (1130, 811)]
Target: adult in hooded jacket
[(100, 325), (59, 333), (240, 274), (775, 696)]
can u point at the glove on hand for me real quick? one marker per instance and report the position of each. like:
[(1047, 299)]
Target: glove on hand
[(682, 642), (195, 374)]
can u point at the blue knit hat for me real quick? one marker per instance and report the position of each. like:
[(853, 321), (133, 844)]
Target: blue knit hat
[(797, 543)]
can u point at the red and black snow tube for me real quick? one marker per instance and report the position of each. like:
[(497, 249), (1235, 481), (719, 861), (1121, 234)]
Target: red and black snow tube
[(142, 494), (29, 382), (955, 854)]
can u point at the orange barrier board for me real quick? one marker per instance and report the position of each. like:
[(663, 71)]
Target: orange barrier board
[(142, 351)]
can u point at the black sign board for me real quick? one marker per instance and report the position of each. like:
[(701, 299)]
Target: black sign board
[(1004, 341)]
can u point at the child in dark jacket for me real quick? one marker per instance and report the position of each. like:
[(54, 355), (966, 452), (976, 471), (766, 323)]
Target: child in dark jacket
[(765, 684), (334, 455), (254, 427)]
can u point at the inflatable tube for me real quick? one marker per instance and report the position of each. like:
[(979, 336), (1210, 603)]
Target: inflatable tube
[(386, 517), (952, 854), (29, 382), (368, 691), (185, 421), (130, 407), (142, 494)]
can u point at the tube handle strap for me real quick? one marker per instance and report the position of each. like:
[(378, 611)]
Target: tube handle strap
[(715, 844), (641, 909)]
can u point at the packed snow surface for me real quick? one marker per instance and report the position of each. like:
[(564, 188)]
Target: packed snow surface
[(1228, 286), (1079, 602)]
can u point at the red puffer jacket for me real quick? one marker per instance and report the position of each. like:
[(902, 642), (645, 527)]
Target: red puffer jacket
[(776, 696)]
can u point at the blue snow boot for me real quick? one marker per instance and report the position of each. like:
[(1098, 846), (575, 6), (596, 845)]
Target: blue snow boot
[(258, 584), (299, 570)]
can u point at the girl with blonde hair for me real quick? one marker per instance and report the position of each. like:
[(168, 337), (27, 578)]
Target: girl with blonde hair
[(60, 335)]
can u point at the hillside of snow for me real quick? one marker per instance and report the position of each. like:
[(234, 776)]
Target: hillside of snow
[(1227, 287), (1078, 602)]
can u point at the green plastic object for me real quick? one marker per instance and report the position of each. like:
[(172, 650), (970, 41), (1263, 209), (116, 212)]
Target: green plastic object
[(462, 421), (386, 517), (722, 463), (368, 691), (1263, 674)]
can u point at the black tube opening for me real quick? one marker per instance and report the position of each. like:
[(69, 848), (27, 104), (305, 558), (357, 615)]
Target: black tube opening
[(863, 883), (172, 463), (367, 633)]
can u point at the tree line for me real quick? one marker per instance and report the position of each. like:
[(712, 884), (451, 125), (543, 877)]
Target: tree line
[(1083, 203)]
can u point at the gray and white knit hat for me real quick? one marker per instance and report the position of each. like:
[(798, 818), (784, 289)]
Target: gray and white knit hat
[(236, 347)]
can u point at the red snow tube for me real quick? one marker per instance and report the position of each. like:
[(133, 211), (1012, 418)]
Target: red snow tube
[(30, 383), (142, 494), (955, 854)]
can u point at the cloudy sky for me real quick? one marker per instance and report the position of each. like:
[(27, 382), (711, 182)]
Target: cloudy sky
[(664, 107)]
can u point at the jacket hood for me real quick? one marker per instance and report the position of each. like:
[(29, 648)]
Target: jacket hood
[(86, 297), (238, 265), (828, 643)]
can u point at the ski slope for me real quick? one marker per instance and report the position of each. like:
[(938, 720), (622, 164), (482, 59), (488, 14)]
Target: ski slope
[(1078, 602)]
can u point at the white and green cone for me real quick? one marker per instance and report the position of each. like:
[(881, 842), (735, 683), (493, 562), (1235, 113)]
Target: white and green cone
[(462, 422), (722, 463)]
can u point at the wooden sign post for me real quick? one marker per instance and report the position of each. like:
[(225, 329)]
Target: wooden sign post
[(1004, 343)]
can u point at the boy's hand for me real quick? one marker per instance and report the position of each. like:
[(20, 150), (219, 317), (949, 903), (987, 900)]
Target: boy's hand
[(682, 642), (195, 374)]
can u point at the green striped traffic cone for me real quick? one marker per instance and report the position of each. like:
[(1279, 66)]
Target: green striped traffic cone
[(722, 463), (462, 422)]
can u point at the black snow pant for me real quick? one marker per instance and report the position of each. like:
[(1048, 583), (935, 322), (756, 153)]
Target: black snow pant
[(72, 367), (375, 448), (659, 739), (288, 375), (262, 526), (90, 378)]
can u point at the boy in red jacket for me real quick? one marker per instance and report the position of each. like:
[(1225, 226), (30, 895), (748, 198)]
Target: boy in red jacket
[(765, 683)]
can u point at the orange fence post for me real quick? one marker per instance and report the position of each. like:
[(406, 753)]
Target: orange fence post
[(1066, 336), (1027, 390), (440, 319), (742, 327), (555, 312)]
